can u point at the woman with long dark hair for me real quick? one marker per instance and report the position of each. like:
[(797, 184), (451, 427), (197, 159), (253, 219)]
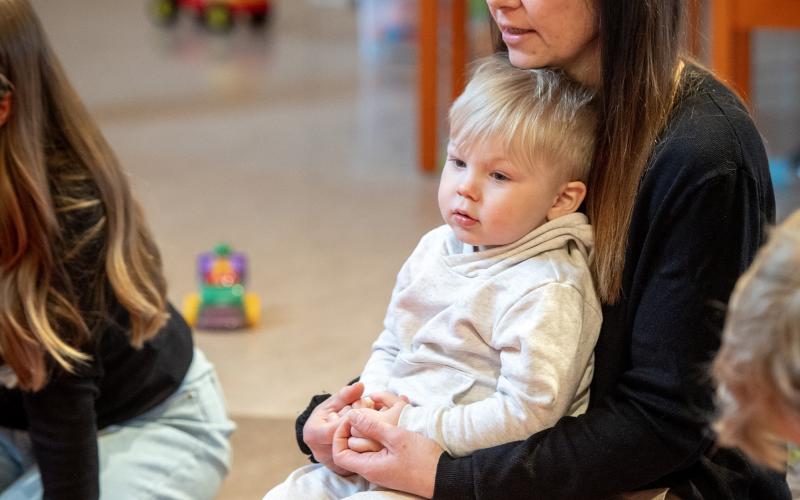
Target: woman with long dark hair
[(101, 389), (680, 197)]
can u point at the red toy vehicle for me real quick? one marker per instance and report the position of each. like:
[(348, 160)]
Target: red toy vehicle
[(218, 15)]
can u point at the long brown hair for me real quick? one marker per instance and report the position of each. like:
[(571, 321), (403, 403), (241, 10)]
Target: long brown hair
[(640, 46), (42, 318)]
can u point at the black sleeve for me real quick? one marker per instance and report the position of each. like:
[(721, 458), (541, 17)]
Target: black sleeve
[(301, 422), (651, 424), (64, 436)]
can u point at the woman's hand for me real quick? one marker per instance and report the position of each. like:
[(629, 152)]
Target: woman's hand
[(323, 421), (407, 461), (383, 402)]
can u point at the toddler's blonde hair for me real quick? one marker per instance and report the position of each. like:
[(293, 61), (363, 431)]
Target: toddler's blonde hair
[(541, 115), (758, 365)]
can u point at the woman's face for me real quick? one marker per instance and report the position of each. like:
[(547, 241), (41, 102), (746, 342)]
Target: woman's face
[(550, 33)]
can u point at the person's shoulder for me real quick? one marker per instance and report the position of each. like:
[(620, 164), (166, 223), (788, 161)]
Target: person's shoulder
[(709, 132)]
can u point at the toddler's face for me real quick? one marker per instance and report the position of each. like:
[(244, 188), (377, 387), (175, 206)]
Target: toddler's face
[(489, 200)]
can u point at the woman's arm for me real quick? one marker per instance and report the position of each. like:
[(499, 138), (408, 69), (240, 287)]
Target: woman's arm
[(62, 428)]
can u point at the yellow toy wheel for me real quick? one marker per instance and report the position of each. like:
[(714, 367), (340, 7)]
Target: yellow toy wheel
[(252, 309), (219, 18), (191, 308), (164, 12)]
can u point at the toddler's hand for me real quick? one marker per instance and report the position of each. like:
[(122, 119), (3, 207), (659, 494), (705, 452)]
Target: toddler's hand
[(364, 402), (388, 414), (386, 399)]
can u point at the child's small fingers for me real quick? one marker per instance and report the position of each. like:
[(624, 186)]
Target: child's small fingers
[(365, 402), (384, 399), (363, 445)]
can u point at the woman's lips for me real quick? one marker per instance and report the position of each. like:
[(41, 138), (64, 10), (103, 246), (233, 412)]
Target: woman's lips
[(514, 35), (516, 31)]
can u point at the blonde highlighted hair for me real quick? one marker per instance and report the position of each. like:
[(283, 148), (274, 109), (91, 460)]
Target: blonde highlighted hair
[(758, 365), (541, 115), (55, 165)]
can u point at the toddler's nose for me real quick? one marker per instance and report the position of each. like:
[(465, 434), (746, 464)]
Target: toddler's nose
[(468, 188)]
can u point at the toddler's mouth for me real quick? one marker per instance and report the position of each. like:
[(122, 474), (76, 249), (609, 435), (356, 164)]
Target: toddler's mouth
[(462, 218)]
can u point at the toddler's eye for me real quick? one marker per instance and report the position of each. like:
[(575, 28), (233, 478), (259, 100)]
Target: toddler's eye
[(458, 163), (498, 176)]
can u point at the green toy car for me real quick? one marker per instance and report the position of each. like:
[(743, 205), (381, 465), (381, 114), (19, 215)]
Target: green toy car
[(222, 303)]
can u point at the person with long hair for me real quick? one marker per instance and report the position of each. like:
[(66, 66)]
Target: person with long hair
[(680, 197), (101, 390)]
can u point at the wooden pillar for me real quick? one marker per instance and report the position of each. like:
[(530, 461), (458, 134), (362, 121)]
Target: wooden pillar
[(458, 63), (741, 54), (722, 35), (693, 28), (427, 49), (730, 54)]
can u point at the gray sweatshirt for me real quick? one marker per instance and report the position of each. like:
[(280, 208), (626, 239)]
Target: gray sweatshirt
[(490, 346)]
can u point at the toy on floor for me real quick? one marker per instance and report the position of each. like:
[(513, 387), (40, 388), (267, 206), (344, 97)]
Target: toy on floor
[(217, 15), (222, 303)]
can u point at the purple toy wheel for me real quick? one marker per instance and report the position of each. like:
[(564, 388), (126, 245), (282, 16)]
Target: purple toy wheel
[(221, 318)]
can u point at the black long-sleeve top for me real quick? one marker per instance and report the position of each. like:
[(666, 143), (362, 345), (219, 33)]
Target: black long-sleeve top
[(119, 383), (704, 204)]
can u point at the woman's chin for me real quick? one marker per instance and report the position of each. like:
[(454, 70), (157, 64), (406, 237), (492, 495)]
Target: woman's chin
[(524, 60)]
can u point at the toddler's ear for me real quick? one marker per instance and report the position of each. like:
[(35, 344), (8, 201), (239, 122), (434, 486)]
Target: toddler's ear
[(569, 198), (5, 108)]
